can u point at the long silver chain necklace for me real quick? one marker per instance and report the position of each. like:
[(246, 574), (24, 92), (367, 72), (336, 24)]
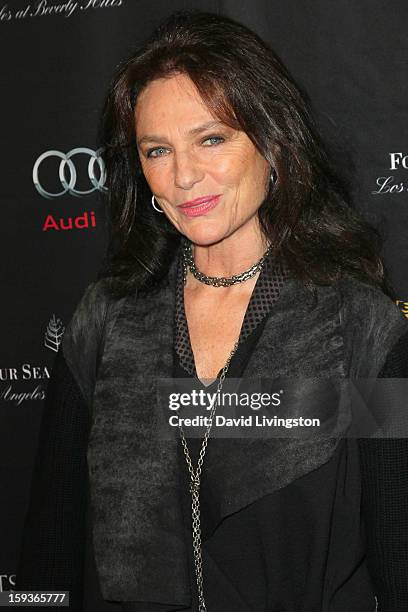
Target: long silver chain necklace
[(219, 281), (195, 479), (195, 474)]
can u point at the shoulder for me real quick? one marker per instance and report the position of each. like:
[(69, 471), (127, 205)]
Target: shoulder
[(92, 306), (371, 321), (91, 311), (82, 343), (367, 306)]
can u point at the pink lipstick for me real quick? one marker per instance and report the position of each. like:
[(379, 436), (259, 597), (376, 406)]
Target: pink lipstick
[(199, 206)]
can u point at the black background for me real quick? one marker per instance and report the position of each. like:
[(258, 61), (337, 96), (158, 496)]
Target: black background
[(351, 58)]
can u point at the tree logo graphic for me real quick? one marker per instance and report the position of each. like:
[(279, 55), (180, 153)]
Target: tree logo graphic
[(54, 333)]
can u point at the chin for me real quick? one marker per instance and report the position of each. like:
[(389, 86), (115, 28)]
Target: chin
[(204, 235)]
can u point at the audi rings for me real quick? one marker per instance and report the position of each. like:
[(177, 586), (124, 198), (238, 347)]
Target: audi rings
[(67, 163)]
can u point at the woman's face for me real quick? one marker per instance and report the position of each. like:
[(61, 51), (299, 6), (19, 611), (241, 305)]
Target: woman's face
[(183, 157)]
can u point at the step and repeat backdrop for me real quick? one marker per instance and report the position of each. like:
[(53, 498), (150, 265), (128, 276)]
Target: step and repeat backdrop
[(57, 58)]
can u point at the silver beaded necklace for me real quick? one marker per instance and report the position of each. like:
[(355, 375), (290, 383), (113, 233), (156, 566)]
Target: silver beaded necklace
[(195, 474)]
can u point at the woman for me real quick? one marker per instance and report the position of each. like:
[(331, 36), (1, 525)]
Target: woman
[(235, 254)]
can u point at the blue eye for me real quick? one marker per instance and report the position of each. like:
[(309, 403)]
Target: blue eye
[(151, 151), (219, 139)]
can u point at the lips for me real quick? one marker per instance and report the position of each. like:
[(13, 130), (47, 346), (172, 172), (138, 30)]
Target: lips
[(199, 206), (198, 201)]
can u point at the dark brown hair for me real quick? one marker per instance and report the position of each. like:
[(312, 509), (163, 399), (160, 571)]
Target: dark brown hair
[(306, 214)]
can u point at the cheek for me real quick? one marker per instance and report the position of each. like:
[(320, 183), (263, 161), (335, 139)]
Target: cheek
[(155, 175), (241, 158), (228, 168), (240, 171), (255, 169)]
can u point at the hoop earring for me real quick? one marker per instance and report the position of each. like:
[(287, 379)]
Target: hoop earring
[(274, 176), (155, 207)]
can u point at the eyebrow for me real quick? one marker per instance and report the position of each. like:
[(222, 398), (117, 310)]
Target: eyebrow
[(193, 132)]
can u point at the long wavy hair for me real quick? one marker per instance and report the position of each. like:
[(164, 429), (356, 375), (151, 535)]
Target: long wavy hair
[(306, 214)]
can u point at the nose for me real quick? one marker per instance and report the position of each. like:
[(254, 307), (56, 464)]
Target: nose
[(187, 171)]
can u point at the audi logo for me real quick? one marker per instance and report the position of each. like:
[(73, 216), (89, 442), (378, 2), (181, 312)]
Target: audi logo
[(68, 174)]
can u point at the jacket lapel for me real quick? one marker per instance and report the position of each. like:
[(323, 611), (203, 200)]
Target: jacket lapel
[(134, 477)]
